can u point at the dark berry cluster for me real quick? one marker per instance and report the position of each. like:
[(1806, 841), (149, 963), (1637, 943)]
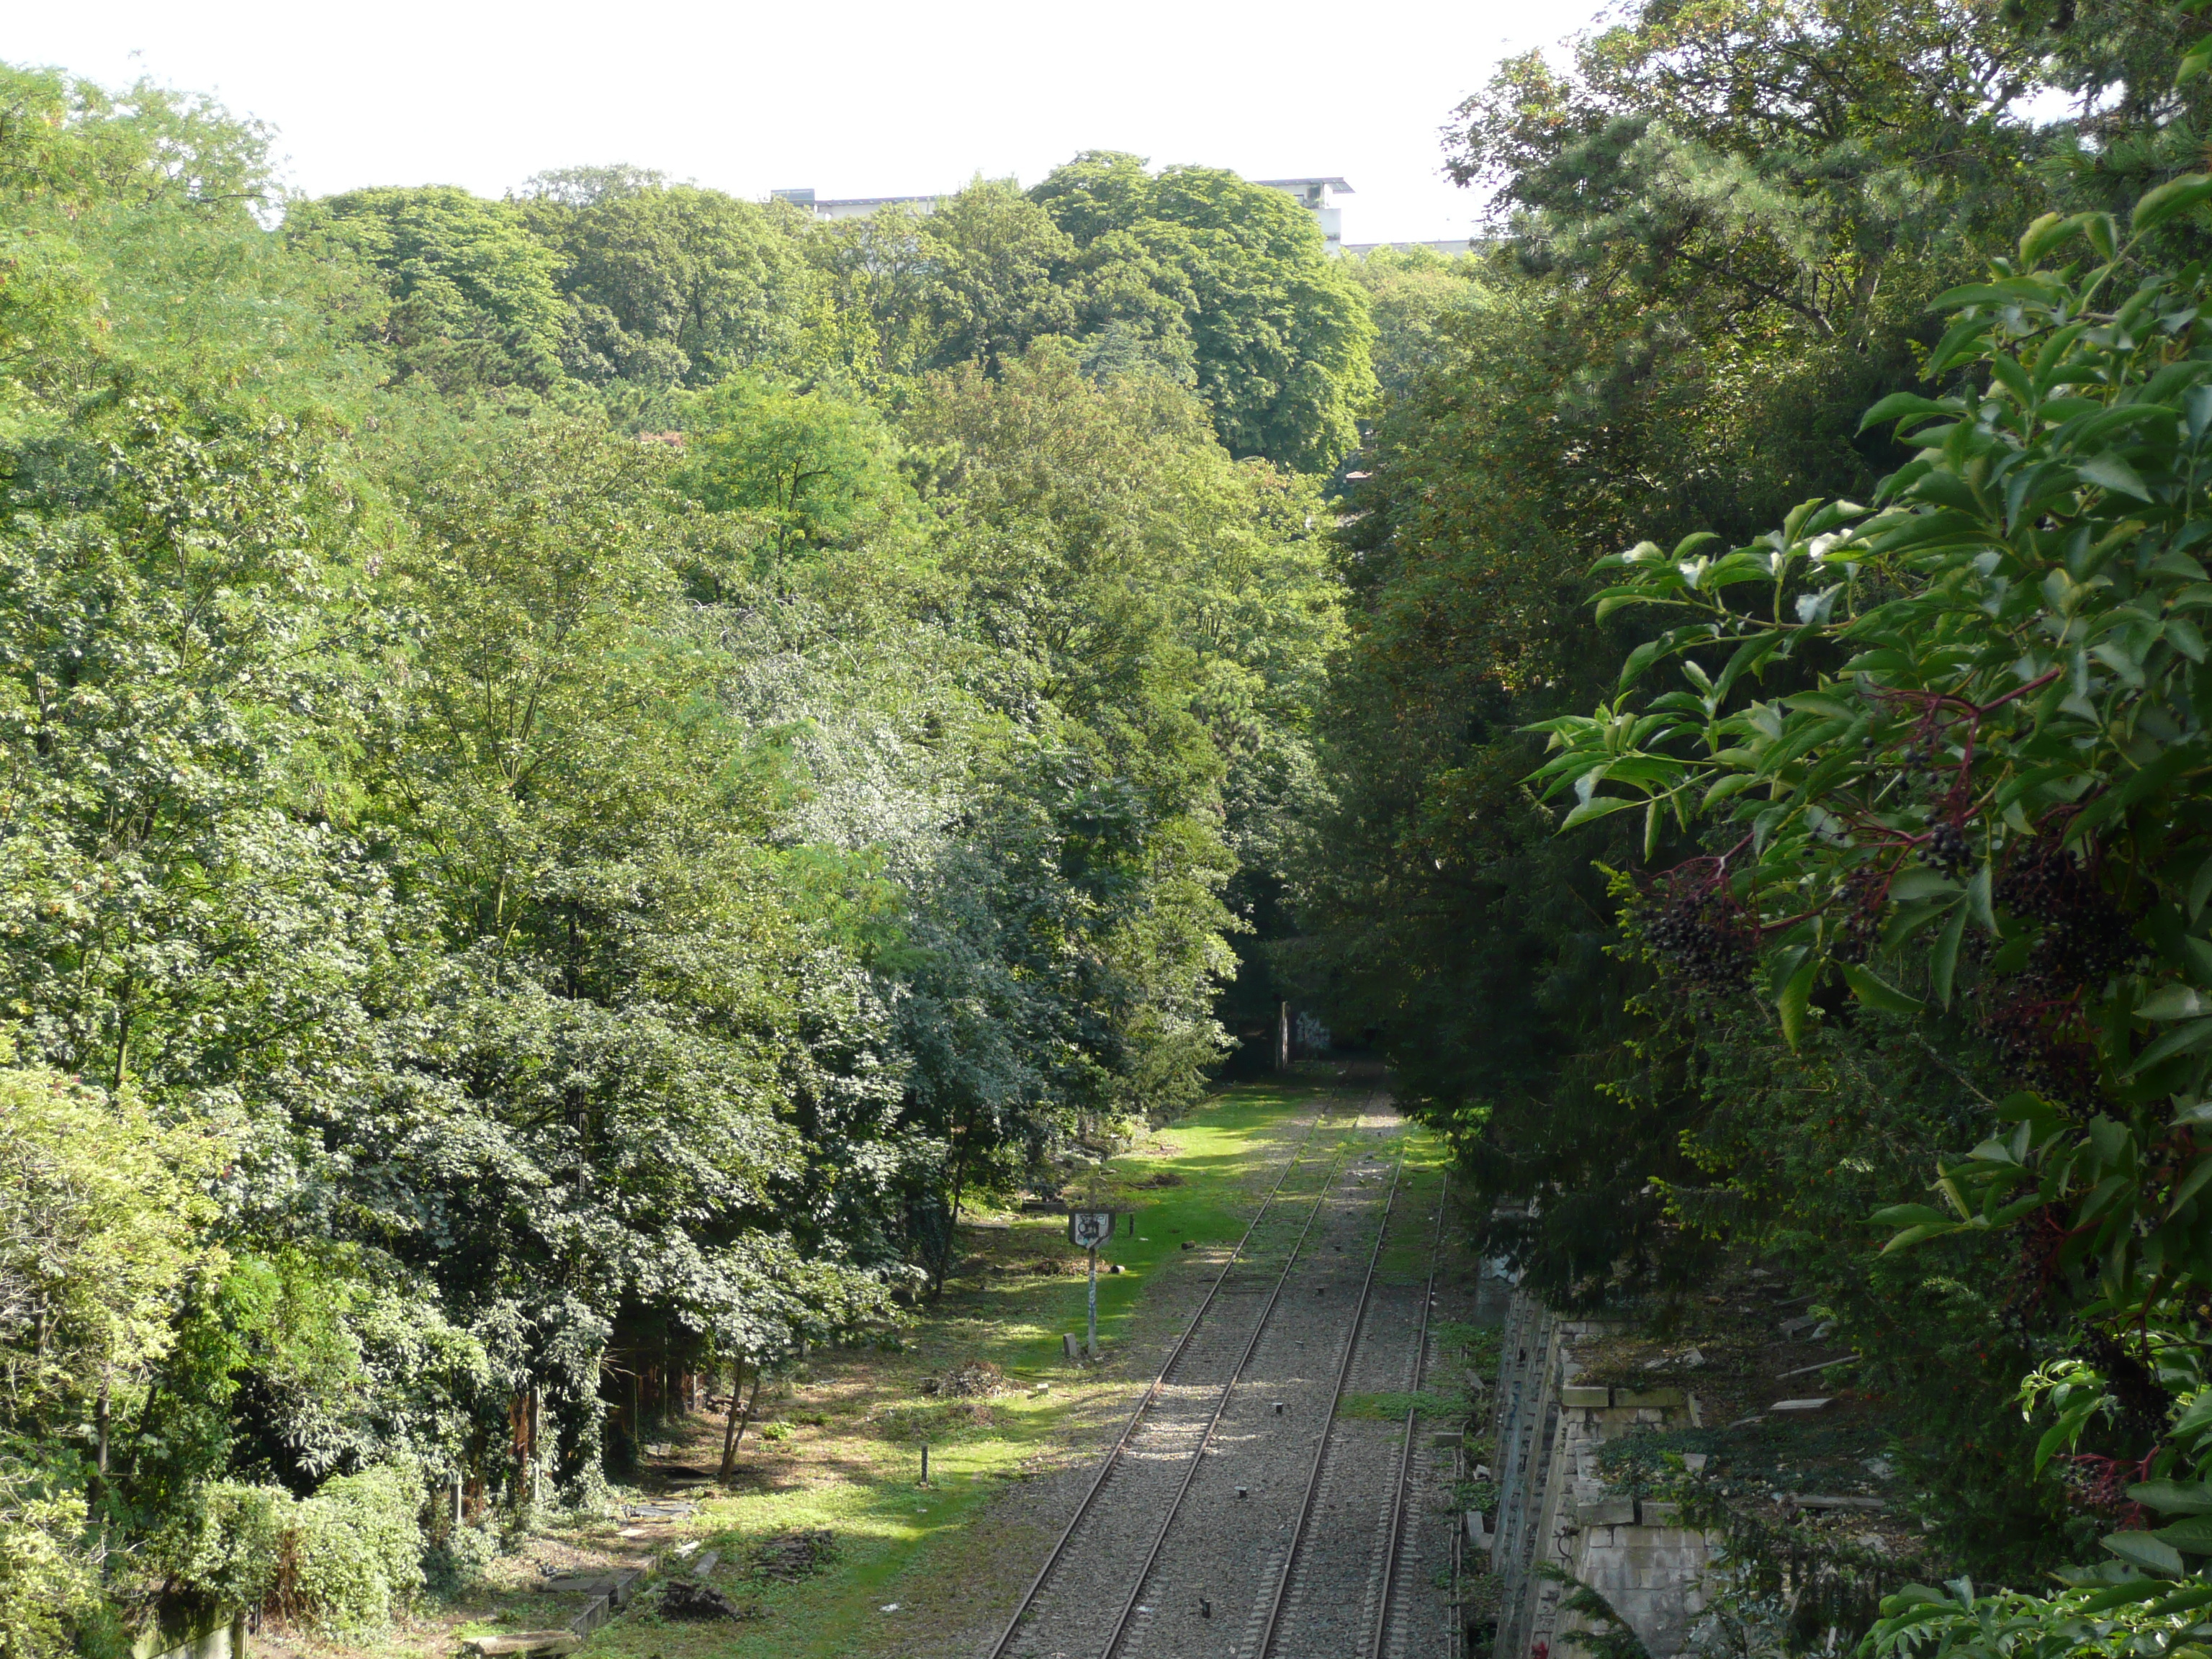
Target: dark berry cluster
[(1703, 935), (2045, 1046), (2085, 935), (1865, 894), (1947, 849)]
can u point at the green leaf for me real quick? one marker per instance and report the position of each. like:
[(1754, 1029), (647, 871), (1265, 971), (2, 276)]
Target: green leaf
[(1899, 406), (2175, 196), (2140, 1549), (1878, 993), (2181, 1040), (1598, 806), (2040, 235), (1639, 659), (1943, 965), (1614, 598), (2119, 1596), (1792, 1002), (2194, 1535), (1978, 899), (2192, 1184), (2175, 1002), (2173, 1496), (1909, 1215), (1913, 1235), (1912, 885), (2110, 470), (2177, 760)]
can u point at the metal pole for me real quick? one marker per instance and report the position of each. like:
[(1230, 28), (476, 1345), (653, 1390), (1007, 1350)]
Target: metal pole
[(924, 1462), (1091, 1347)]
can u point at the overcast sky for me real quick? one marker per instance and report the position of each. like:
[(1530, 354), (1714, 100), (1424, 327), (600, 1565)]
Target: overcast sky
[(864, 98)]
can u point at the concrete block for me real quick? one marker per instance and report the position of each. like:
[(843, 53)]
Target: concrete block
[(1800, 1405), (1597, 1398), (1653, 1513), (619, 1584), (1607, 1512), (1655, 1398)]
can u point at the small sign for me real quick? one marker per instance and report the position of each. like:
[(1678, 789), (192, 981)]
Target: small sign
[(1089, 1229)]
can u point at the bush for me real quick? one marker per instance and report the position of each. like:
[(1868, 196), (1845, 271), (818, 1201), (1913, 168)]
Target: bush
[(457, 1562), (357, 1550), (233, 1548), (50, 1599), (345, 1560)]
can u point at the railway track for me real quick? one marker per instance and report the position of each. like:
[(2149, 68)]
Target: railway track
[(1177, 1546), (1351, 1591)]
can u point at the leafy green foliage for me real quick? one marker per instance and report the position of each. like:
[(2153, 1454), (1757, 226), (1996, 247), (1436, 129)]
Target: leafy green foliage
[(1981, 803), (1277, 335), (471, 297), (817, 469), (672, 285), (2003, 749)]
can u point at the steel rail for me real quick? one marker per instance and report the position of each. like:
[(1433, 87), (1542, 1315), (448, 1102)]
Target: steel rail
[(1198, 1456), (1406, 1457), (1321, 1447), (1129, 1430)]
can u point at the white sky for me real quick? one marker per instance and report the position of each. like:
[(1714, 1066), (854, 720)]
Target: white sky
[(864, 99)]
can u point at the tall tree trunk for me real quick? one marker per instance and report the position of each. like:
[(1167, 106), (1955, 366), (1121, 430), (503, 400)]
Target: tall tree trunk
[(733, 1428), (98, 1493)]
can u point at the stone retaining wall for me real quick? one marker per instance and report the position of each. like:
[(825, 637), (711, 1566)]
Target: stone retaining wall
[(1552, 1506)]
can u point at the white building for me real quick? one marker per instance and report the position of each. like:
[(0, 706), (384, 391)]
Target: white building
[(851, 207), (1316, 196)]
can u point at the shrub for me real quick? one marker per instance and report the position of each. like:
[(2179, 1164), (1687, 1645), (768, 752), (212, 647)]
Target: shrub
[(345, 1560), (50, 1599), (357, 1550)]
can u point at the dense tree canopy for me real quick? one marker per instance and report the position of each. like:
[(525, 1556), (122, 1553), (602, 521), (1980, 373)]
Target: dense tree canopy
[(585, 772), (1725, 233)]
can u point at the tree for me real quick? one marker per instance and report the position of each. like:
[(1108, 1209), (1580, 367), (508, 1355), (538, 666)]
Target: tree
[(669, 284), (1279, 335), (817, 470), (976, 280), (469, 291), (1983, 801)]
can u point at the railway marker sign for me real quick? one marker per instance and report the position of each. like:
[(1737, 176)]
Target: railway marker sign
[(1089, 1229)]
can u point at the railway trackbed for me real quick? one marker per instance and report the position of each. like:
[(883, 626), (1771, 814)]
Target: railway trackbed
[(1233, 1463)]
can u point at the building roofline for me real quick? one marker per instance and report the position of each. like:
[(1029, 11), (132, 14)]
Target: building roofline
[(1333, 184)]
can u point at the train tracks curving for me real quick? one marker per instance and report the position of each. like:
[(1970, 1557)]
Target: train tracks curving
[(1224, 1473)]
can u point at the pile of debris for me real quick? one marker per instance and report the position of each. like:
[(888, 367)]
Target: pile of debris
[(791, 1556), (971, 1379), (686, 1598)]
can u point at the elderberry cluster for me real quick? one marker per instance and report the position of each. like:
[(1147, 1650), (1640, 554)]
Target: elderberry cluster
[(1947, 849), (1702, 937), (2086, 937), (1865, 894)]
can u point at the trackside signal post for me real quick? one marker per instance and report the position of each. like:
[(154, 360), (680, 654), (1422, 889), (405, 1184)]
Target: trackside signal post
[(1091, 1228)]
